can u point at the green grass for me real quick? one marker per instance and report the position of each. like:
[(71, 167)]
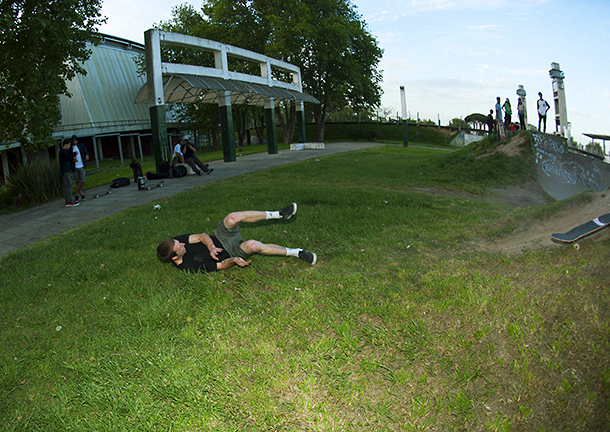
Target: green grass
[(401, 326), (111, 169)]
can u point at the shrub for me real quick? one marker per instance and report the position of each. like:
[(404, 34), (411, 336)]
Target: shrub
[(369, 135), (34, 183)]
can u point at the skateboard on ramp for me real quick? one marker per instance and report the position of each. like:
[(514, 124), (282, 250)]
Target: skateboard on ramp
[(582, 230)]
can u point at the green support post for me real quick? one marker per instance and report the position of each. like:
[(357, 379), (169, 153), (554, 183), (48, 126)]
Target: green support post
[(300, 122), (227, 132), (271, 128), (159, 133)]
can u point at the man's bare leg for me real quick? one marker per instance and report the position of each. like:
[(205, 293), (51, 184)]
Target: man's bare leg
[(235, 218), (232, 220)]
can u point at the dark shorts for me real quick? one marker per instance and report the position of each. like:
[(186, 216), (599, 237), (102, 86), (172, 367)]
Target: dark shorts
[(231, 240), (79, 175)]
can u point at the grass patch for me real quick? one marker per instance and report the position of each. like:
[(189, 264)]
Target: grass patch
[(398, 327)]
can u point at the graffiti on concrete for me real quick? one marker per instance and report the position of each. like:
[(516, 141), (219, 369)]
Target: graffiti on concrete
[(553, 157)]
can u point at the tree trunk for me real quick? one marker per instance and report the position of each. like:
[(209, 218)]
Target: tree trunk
[(215, 131), (319, 113), (259, 127), (287, 117)]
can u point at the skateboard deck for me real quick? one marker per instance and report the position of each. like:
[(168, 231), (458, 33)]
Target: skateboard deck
[(160, 184), (501, 130), (582, 230), (108, 192)]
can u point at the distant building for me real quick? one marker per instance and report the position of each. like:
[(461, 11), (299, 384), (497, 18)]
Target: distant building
[(102, 111)]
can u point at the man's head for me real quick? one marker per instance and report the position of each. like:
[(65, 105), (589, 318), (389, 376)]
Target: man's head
[(74, 139), (170, 249), (66, 143), (498, 99), (540, 94)]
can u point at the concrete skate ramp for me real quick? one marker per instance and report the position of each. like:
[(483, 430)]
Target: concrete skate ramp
[(563, 174)]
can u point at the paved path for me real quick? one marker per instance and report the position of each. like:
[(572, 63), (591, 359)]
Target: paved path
[(28, 226)]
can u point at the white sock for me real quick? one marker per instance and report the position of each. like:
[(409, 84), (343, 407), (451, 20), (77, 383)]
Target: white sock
[(273, 215), (293, 252)]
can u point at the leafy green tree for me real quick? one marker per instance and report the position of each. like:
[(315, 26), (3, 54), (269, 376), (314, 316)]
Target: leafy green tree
[(337, 55), (327, 39), (42, 44), (476, 120), (459, 123)]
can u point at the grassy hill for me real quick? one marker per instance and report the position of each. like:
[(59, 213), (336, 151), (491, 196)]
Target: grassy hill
[(404, 324)]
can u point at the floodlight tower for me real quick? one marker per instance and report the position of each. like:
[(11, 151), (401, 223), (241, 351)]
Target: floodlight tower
[(559, 94), (522, 93)]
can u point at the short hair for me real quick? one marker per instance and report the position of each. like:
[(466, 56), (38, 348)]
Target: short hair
[(165, 250), (66, 141)]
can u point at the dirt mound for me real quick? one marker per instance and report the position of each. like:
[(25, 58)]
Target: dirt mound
[(538, 236), (512, 148)]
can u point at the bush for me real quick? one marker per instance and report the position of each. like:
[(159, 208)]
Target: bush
[(387, 132), (35, 183), (369, 135)]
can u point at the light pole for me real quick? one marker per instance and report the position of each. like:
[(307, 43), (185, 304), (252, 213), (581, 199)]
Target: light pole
[(405, 131)]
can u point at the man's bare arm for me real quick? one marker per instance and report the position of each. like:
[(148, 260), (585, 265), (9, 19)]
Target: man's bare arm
[(206, 240), (230, 262)]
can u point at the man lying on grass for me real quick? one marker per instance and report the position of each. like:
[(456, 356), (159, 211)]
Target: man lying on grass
[(225, 247)]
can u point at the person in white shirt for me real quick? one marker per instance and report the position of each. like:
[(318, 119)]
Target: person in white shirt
[(543, 108), (178, 155), (79, 167)]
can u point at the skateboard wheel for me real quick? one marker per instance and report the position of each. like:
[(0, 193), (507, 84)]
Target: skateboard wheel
[(576, 246)]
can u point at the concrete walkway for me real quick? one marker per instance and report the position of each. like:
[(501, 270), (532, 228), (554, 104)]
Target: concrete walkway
[(28, 226)]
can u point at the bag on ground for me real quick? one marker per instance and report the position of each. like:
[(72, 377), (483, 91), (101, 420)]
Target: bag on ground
[(120, 182)]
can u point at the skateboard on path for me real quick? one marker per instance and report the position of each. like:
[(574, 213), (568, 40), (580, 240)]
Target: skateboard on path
[(582, 230), (144, 187), (108, 192)]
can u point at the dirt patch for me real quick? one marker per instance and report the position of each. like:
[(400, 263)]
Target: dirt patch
[(538, 236), (529, 194), (511, 148)]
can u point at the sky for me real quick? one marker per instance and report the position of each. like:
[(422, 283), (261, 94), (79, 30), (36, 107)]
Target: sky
[(454, 57)]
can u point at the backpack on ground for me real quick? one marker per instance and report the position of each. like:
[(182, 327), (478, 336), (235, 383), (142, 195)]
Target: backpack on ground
[(164, 168), (179, 171), (120, 182), (154, 176)]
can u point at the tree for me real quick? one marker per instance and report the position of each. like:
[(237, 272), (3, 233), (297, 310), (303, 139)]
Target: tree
[(42, 44), (327, 39), (337, 55), (476, 120), (459, 123)]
